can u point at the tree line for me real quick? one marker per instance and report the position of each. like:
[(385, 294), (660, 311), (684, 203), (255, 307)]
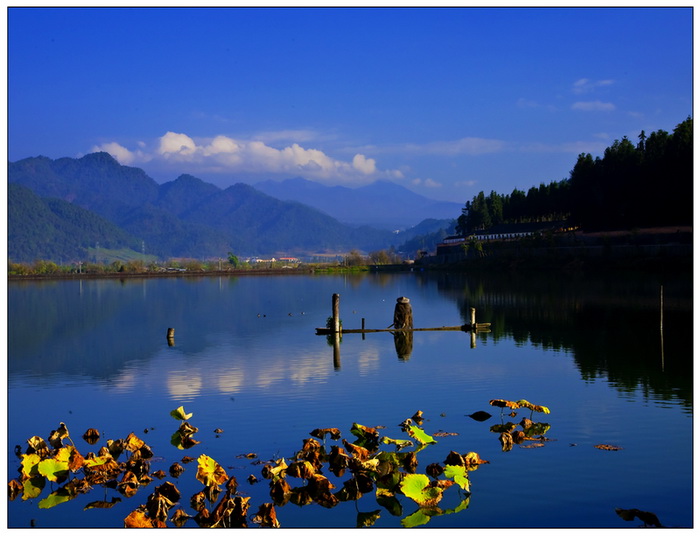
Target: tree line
[(646, 184)]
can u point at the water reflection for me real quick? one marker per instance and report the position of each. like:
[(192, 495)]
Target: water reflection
[(609, 323), (251, 331)]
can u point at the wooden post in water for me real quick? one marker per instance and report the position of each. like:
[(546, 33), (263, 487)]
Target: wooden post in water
[(403, 315), (171, 336), (473, 317), (661, 329), (336, 313)]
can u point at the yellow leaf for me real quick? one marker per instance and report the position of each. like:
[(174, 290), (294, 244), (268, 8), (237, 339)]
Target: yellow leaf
[(30, 464), (180, 414), (209, 472)]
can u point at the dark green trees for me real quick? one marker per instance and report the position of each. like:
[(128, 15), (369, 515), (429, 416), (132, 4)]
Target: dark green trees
[(643, 185), (631, 186)]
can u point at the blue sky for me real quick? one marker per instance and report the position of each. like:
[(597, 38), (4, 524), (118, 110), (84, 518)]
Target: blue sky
[(445, 101)]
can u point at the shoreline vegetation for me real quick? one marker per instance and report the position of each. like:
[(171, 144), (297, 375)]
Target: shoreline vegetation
[(665, 249)]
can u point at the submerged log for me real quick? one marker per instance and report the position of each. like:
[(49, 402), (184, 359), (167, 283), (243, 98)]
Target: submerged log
[(464, 327)]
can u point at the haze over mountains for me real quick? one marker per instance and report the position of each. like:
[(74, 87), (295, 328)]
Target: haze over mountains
[(382, 204), (58, 209)]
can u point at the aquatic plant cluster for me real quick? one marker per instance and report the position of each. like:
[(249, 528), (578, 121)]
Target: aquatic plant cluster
[(371, 462)]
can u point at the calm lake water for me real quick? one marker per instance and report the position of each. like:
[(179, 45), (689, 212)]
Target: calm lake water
[(246, 360)]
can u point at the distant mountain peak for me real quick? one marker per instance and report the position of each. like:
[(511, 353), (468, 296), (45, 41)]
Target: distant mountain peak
[(383, 203)]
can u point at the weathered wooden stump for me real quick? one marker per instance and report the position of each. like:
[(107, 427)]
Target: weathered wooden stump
[(403, 315), (171, 336)]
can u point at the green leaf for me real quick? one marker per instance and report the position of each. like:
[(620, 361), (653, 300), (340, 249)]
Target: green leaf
[(458, 473), (180, 414), (419, 517), (419, 435), (53, 469), (417, 487), (33, 487), (57, 497)]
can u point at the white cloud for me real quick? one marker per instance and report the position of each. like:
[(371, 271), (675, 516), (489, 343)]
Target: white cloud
[(584, 85), (593, 106), (427, 183), (123, 155), (224, 154), (363, 164), (172, 144)]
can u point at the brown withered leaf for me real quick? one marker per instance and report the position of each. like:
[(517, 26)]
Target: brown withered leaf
[(78, 485), (440, 433), (310, 445), (132, 443), (279, 491), (37, 446), (266, 516), (607, 447), (318, 485), (454, 458), (356, 451), (300, 496), (176, 470), (518, 436), (179, 518), (91, 436), (472, 458), (232, 485), (129, 484), (138, 519), (434, 470), (532, 446), (57, 436), (159, 474), (76, 460), (163, 498), (410, 462), (14, 489), (506, 441), (321, 433), (102, 504), (500, 403), (301, 469), (442, 484), (327, 500), (116, 447), (198, 501), (338, 459)]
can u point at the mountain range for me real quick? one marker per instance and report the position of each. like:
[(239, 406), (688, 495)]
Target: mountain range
[(57, 209), (382, 204)]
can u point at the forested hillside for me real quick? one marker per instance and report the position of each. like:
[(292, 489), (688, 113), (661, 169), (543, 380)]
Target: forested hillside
[(52, 229), (646, 184), (183, 218)]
